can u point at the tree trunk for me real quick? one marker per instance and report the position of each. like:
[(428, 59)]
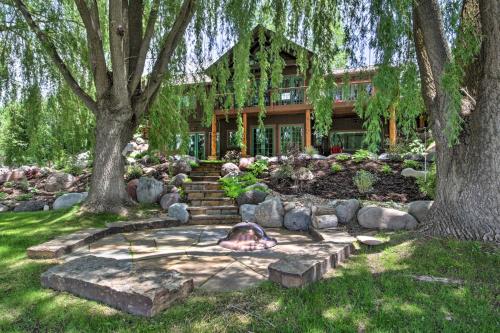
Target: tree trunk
[(107, 187)]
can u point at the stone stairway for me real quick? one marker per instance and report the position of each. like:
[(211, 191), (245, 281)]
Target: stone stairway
[(207, 203)]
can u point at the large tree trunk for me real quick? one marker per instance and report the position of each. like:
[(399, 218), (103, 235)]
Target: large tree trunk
[(107, 187)]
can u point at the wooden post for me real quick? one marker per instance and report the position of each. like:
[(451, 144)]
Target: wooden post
[(392, 126), (244, 139), (308, 129), (421, 121), (213, 139)]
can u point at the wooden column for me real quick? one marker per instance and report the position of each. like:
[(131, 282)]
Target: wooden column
[(213, 139), (308, 129), (392, 125), (421, 121), (244, 139)]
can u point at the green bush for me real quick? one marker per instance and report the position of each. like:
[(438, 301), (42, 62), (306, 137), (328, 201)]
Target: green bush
[(427, 185), (412, 164), (193, 164), (386, 168), (3, 195), (8, 185), (234, 186), (258, 167), (284, 171), (361, 155), (336, 167), (24, 197), (310, 150), (364, 181), (133, 172), (342, 157), (154, 160)]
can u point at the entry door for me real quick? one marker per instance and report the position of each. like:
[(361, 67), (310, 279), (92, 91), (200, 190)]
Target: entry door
[(263, 141), (197, 145)]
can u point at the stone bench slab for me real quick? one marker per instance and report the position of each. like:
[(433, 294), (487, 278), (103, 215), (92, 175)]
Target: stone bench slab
[(152, 223), (119, 284)]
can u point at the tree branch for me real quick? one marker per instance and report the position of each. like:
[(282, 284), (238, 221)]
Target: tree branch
[(135, 13), (55, 57), (116, 38), (90, 18), (143, 51)]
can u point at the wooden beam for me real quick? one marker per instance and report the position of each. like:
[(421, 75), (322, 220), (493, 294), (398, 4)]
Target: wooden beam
[(308, 129), (392, 126), (244, 139), (213, 139)]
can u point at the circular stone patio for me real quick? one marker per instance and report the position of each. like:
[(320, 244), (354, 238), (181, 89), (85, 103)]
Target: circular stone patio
[(193, 252)]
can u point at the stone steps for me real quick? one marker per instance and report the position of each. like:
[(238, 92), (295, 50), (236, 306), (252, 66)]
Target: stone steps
[(204, 194), (213, 202), (213, 210), (202, 186), (196, 173), (214, 219), (205, 178)]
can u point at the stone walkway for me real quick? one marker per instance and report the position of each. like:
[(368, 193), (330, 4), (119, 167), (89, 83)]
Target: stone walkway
[(193, 252)]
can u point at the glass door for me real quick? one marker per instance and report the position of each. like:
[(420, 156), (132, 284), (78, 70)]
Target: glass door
[(197, 145), (263, 141), (290, 137)]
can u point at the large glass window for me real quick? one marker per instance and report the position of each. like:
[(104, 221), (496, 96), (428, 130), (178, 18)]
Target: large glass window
[(232, 139), (348, 141), (263, 141), (197, 145), (290, 137)]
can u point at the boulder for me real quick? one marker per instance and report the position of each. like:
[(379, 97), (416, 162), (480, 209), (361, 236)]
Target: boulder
[(385, 218), (389, 157), (420, 209), (324, 221), (252, 197), (289, 205), (323, 210), (179, 211), (59, 181), (414, 157), (3, 208), (257, 186), (30, 206), (16, 175), (298, 219), (132, 188), (169, 199), (179, 179), (180, 166), (260, 157), (302, 174), (270, 213), (82, 160), (247, 213), (346, 210), (318, 157), (245, 162), (228, 168), (149, 190), (410, 172), (369, 240), (69, 200)]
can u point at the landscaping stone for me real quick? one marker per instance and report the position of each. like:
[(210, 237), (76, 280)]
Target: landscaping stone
[(30, 206), (318, 157), (257, 186), (69, 200), (3, 208), (302, 174), (136, 225), (289, 205), (252, 197), (385, 218), (169, 199), (298, 218), (149, 190), (369, 240), (324, 221), (247, 213), (245, 162), (179, 179), (410, 172), (323, 210), (119, 284), (82, 160), (228, 168), (414, 157), (132, 188), (180, 166), (346, 210), (59, 181), (179, 211), (419, 209), (270, 212), (46, 208), (389, 157)]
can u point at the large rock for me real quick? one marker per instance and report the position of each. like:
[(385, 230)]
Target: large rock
[(298, 219), (169, 199), (252, 197), (324, 221), (179, 179), (119, 283), (3, 208), (302, 174), (228, 168), (247, 213), (59, 181), (389, 157), (82, 160), (245, 162), (180, 166), (270, 213), (179, 211), (410, 172), (132, 188), (149, 190), (420, 209), (30, 206), (257, 186), (69, 200), (346, 210), (385, 218)]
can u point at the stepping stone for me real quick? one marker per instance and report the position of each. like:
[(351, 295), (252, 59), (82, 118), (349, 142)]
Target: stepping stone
[(235, 277), (119, 284), (332, 236), (369, 240), (152, 223)]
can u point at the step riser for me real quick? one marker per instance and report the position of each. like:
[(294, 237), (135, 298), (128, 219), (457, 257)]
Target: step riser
[(205, 178), (201, 187), (212, 222), (208, 211), (212, 202), (205, 195), (203, 174)]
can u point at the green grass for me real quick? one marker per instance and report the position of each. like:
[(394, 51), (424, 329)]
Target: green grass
[(374, 291)]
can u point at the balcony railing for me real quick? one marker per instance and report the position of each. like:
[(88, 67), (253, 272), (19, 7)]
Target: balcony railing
[(278, 96)]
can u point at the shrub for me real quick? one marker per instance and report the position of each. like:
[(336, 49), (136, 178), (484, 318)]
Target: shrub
[(284, 171), (187, 180), (412, 164), (342, 157), (416, 147), (23, 185), (24, 197), (336, 167), (258, 167), (310, 150), (133, 172), (3, 195), (8, 185), (386, 168), (361, 155), (364, 181), (73, 169), (193, 164), (427, 185), (154, 160), (234, 186)]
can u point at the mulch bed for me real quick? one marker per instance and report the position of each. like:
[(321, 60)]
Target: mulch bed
[(340, 185)]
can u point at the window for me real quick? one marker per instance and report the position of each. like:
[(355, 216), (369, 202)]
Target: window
[(348, 141), (232, 139), (197, 145), (263, 141), (290, 136)]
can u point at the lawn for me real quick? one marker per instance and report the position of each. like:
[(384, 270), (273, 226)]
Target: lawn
[(374, 292)]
